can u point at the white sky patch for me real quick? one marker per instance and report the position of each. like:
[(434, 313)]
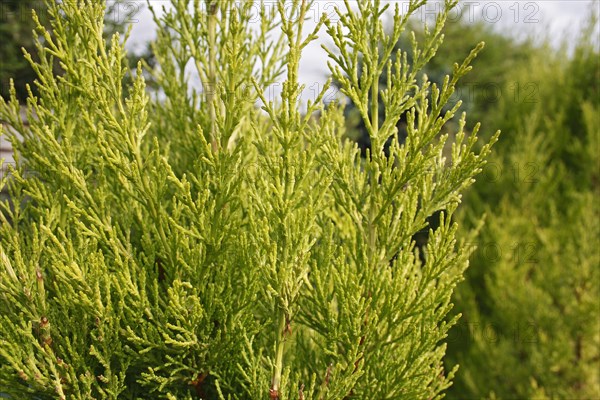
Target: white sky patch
[(557, 19)]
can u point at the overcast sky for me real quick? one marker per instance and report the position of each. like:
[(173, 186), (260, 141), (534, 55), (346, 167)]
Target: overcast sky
[(512, 14), (559, 18)]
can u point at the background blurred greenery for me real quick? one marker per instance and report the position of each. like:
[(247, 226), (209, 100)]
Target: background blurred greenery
[(16, 34), (531, 300), (16, 29)]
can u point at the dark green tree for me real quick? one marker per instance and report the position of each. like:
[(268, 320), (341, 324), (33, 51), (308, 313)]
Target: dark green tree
[(17, 33)]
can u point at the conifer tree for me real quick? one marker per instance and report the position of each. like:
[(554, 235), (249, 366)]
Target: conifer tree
[(194, 245), (530, 326)]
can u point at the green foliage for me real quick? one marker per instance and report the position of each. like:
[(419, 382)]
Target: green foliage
[(17, 34), (479, 91), (530, 302), (196, 246), (16, 28)]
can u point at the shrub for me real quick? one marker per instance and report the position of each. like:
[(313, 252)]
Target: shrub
[(195, 245)]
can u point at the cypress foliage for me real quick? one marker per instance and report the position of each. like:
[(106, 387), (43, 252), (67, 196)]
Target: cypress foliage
[(479, 91), (194, 245), (530, 302)]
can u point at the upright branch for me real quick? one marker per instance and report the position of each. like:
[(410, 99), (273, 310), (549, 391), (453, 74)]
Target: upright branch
[(196, 245), (211, 85)]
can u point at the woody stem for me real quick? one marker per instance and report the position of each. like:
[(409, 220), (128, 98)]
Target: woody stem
[(281, 338), (212, 70)]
